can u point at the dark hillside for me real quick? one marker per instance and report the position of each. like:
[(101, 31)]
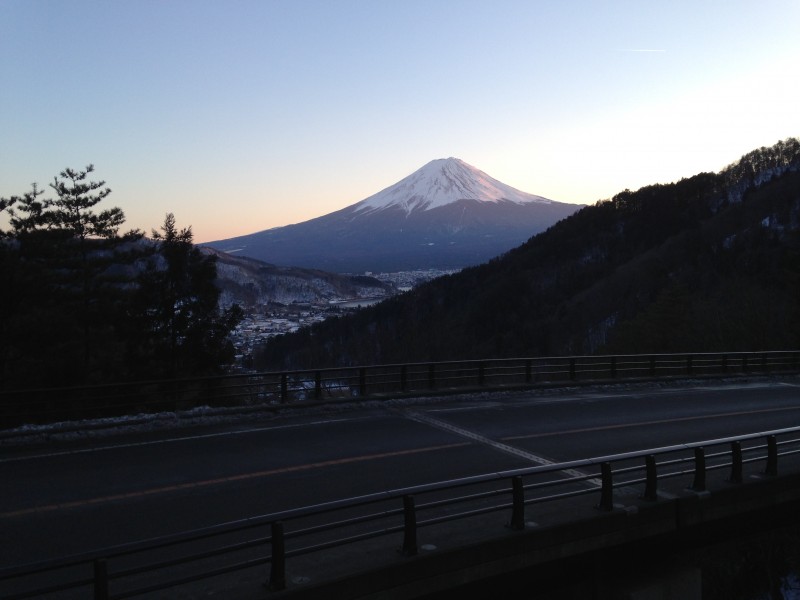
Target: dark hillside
[(708, 263)]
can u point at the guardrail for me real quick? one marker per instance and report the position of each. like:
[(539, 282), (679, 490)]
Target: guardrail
[(269, 541), (256, 390)]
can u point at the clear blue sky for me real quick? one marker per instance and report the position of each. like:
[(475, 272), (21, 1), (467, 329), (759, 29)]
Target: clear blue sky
[(238, 116)]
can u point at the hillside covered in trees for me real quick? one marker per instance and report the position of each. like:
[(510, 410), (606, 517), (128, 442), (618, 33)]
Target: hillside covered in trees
[(81, 303), (711, 262)]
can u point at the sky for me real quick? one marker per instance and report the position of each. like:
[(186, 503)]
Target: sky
[(238, 116)]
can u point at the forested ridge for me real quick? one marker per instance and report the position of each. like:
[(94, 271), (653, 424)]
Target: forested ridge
[(711, 262)]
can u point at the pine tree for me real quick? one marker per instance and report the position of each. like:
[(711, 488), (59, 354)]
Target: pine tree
[(61, 294), (176, 328)]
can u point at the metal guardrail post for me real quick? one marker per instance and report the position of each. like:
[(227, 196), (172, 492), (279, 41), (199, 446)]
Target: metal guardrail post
[(607, 491), (689, 364), (432, 375), (409, 527), (652, 366), (100, 579), (772, 457), (613, 367), (572, 369), (317, 385), (736, 463), (404, 378), (482, 374), (528, 370), (517, 522), (651, 481), (744, 363), (277, 572), (699, 483), (724, 363), (284, 388), (362, 382)]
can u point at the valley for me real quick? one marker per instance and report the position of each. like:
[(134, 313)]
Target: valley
[(262, 322)]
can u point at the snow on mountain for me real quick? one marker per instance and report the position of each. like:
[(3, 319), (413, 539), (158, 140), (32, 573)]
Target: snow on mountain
[(442, 182), (447, 215)]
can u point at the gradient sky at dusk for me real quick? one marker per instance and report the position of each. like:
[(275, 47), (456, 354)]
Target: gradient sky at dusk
[(239, 116)]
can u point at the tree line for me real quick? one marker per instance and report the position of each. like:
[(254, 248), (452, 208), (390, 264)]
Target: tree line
[(82, 303)]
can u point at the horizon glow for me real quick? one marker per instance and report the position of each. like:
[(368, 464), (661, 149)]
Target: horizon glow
[(240, 117)]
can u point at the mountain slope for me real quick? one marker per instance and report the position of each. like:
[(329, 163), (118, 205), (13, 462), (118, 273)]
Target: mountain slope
[(708, 263), (446, 215)]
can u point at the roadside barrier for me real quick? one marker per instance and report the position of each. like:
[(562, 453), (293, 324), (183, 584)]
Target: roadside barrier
[(256, 391), (270, 541)]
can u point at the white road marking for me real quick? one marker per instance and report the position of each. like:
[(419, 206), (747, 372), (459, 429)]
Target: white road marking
[(518, 452)]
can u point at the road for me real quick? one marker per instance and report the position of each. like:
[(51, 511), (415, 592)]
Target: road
[(70, 496)]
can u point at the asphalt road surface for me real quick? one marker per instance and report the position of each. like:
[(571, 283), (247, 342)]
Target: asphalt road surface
[(65, 496)]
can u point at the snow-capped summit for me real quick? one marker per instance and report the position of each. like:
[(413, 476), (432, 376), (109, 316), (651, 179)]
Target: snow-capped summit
[(446, 215), (441, 182)]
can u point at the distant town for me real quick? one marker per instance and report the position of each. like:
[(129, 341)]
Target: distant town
[(278, 319)]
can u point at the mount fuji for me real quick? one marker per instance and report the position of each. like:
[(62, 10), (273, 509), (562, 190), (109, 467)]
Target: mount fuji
[(446, 215)]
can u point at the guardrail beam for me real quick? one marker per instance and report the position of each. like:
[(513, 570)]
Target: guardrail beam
[(277, 576), (47, 405)]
